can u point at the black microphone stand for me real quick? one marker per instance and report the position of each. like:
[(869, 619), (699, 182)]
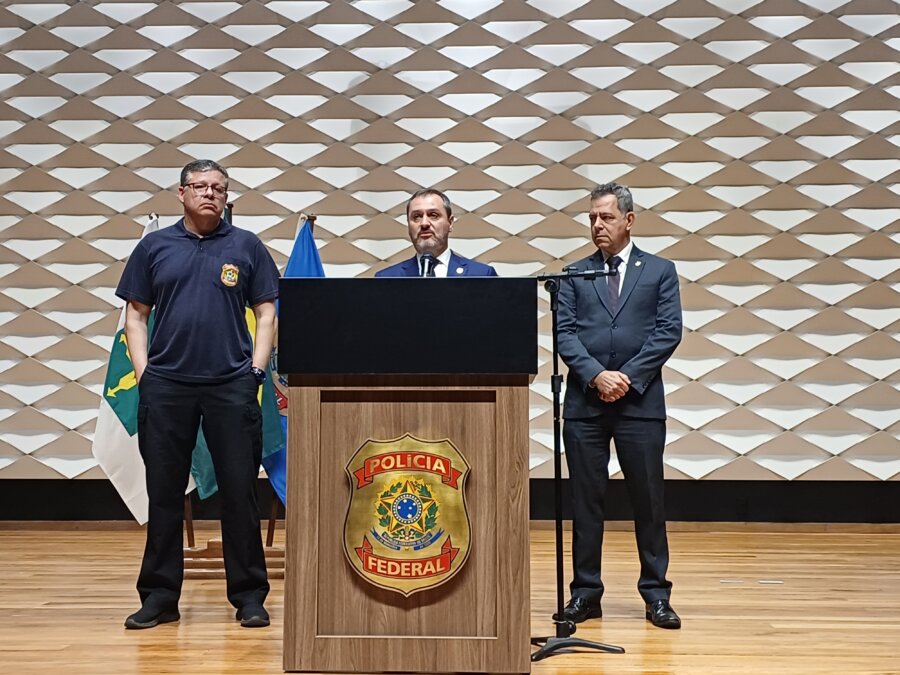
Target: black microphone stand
[(564, 628)]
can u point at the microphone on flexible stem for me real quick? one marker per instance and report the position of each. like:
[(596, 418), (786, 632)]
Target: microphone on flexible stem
[(428, 264), (586, 274)]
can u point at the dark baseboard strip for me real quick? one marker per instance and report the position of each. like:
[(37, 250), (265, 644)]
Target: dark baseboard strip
[(93, 500), (747, 501), (687, 501)]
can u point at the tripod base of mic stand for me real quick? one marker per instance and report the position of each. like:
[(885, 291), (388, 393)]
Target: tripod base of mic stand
[(551, 645), (562, 640)]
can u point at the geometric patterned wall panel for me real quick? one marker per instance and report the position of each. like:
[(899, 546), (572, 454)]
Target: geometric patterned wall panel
[(760, 138)]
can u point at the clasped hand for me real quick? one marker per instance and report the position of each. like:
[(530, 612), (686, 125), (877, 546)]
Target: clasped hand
[(611, 385)]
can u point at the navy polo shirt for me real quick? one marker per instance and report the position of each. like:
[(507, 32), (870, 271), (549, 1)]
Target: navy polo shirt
[(200, 288)]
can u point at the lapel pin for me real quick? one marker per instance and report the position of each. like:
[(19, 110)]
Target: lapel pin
[(459, 270), (637, 264)]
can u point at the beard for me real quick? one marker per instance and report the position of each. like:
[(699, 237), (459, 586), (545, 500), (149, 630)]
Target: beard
[(429, 245)]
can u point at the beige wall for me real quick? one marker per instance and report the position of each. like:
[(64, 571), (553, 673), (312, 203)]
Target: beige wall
[(760, 139)]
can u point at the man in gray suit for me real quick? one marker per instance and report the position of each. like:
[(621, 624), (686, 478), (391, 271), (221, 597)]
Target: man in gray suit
[(615, 334)]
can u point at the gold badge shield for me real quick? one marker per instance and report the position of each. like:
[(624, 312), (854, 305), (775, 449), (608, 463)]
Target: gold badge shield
[(407, 527), (230, 274)]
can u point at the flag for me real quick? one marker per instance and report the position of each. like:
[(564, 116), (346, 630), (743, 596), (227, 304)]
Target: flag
[(202, 470), (273, 434), (304, 262), (115, 445)]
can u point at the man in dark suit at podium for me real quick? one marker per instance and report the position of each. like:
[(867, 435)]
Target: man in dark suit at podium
[(615, 334), (430, 220)]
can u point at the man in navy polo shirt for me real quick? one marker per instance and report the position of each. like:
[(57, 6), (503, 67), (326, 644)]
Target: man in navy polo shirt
[(199, 366)]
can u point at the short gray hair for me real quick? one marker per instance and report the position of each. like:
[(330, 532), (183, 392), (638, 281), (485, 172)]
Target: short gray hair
[(436, 193), (201, 165), (624, 200)]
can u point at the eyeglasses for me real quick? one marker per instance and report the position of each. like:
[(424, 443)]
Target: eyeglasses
[(199, 189)]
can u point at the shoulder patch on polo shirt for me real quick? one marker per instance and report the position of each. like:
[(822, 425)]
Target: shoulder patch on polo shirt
[(230, 274)]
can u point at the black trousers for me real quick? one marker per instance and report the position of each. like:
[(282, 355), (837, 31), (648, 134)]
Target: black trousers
[(639, 448), (169, 416)]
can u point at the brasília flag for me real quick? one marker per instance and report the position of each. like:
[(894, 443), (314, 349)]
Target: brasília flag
[(115, 445), (304, 262)]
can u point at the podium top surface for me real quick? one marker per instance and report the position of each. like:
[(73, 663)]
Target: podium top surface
[(470, 325)]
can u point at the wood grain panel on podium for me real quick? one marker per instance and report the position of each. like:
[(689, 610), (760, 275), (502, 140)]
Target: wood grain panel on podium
[(477, 620), (468, 419)]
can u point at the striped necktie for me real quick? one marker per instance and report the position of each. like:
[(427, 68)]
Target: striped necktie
[(612, 282)]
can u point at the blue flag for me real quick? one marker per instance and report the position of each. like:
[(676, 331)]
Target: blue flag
[(304, 262)]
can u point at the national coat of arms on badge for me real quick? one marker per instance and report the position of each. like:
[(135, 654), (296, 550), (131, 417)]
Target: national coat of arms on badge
[(407, 527), (230, 274)]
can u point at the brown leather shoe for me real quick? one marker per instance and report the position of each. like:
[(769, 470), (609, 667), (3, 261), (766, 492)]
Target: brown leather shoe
[(579, 610), (661, 614)]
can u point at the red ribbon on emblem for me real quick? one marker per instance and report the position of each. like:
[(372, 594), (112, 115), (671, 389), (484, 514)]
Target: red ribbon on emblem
[(405, 461), (395, 568)]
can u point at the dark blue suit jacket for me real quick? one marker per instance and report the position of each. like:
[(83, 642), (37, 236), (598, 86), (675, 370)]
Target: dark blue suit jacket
[(459, 267), (637, 340)]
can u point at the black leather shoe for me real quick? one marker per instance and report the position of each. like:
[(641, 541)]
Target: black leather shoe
[(661, 614), (579, 610), (253, 616), (148, 618)]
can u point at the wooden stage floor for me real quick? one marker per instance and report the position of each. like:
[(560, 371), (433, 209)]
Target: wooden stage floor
[(753, 599)]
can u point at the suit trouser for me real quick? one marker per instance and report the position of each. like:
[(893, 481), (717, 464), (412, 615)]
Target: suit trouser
[(639, 448), (169, 416)]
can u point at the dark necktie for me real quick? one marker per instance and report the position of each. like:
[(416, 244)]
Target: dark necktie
[(612, 282)]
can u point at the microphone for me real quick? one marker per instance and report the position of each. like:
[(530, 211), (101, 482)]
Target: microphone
[(428, 264), (572, 270)]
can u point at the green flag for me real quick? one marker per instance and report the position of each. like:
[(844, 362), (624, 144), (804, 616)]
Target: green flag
[(272, 432), (120, 388), (115, 444)]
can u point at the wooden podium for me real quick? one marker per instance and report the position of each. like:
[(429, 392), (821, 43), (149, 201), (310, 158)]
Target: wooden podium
[(377, 360)]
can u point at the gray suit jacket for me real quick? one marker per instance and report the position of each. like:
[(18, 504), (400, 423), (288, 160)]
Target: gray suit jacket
[(637, 340)]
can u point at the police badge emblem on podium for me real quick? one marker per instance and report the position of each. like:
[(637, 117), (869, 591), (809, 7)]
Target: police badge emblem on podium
[(407, 527)]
